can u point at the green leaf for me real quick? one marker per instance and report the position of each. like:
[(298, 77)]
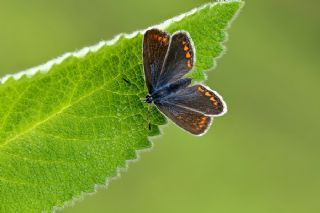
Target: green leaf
[(75, 124)]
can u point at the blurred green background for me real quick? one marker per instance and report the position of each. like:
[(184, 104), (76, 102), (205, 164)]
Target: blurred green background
[(262, 156)]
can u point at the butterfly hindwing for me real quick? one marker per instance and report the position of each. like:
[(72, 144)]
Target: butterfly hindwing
[(198, 98), (179, 59), (194, 122), (155, 46)]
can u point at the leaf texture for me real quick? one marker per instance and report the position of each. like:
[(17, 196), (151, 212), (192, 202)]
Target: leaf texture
[(67, 130)]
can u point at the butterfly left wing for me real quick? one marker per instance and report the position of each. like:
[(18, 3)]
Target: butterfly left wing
[(198, 98), (155, 46), (194, 122), (179, 59)]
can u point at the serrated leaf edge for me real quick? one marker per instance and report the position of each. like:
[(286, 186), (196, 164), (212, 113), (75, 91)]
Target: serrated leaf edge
[(44, 68), (96, 47)]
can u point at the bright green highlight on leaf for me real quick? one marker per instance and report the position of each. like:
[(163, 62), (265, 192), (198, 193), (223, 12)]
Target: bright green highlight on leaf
[(65, 131)]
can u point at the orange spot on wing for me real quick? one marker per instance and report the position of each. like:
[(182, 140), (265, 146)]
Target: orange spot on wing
[(183, 42), (214, 101), (200, 89), (189, 64), (165, 40), (207, 94), (188, 55), (186, 48), (202, 122)]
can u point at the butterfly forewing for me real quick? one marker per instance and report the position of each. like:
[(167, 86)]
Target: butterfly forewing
[(192, 121), (179, 59), (198, 98), (155, 46)]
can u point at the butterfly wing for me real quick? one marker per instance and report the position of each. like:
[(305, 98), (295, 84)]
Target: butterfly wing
[(194, 122), (198, 98), (155, 46), (179, 59)]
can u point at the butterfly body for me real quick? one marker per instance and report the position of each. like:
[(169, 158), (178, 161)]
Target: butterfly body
[(166, 60)]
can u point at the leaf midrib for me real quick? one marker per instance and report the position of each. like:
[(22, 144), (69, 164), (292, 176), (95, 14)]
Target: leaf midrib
[(56, 113)]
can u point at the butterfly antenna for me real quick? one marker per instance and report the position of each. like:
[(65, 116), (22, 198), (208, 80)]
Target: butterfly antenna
[(125, 80)]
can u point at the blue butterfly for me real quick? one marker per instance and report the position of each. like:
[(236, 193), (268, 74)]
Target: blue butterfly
[(166, 60)]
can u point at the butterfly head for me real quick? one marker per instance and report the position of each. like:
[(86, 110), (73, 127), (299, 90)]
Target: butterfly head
[(148, 99)]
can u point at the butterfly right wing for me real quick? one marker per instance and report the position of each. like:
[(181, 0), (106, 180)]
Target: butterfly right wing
[(198, 98), (194, 122), (155, 46)]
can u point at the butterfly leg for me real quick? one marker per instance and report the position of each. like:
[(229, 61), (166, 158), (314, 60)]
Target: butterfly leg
[(149, 123)]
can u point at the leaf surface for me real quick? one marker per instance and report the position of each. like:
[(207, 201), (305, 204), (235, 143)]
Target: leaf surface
[(64, 131)]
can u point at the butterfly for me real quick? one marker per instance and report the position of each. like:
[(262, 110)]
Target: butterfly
[(166, 59)]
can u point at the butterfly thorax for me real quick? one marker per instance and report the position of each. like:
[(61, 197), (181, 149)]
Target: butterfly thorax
[(158, 95), (148, 99)]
